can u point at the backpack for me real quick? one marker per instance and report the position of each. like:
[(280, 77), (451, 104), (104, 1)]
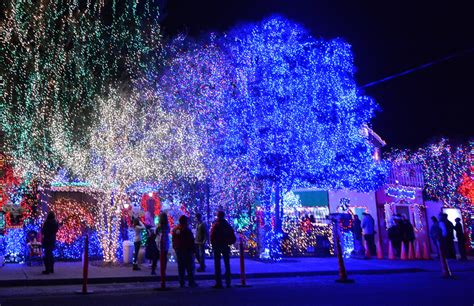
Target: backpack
[(230, 235)]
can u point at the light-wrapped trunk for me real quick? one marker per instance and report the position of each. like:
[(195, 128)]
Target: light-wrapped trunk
[(108, 225)]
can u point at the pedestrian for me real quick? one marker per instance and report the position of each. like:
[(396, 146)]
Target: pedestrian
[(138, 227), (407, 232), (163, 237), (461, 239), (436, 234), (368, 225), (222, 235), (449, 238), (357, 235), (202, 236), (394, 235), (151, 249), (183, 244), (48, 231)]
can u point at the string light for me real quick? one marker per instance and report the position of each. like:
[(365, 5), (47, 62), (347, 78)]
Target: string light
[(296, 114), (128, 144), (57, 56)]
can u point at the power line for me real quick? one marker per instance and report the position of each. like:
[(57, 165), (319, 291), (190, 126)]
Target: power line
[(446, 58)]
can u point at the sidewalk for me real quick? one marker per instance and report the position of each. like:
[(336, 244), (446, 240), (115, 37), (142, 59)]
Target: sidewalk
[(67, 273)]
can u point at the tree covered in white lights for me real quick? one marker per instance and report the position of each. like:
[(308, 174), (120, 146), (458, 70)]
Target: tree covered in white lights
[(198, 77), (129, 141), (297, 115)]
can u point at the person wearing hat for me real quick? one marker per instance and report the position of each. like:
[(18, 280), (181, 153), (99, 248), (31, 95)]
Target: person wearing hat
[(461, 239)]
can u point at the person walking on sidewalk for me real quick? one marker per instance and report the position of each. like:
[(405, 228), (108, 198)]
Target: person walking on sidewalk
[(222, 235), (461, 239), (202, 236), (138, 227), (368, 224), (183, 244), (49, 230)]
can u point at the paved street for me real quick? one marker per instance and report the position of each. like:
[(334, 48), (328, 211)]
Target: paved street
[(71, 272), (423, 288)]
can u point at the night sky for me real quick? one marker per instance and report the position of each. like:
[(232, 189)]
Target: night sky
[(388, 37)]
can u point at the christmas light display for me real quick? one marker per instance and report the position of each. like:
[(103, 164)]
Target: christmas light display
[(128, 143), (296, 114), (467, 187), (74, 216), (443, 169), (57, 56), (226, 122), (15, 244)]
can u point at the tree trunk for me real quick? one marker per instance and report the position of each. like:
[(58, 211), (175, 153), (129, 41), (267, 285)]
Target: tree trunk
[(277, 207), (108, 225)]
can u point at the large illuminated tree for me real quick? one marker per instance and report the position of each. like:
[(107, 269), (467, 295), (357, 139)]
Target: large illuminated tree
[(130, 141), (198, 77), (56, 57), (297, 115)]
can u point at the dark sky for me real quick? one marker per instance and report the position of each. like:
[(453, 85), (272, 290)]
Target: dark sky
[(388, 37)]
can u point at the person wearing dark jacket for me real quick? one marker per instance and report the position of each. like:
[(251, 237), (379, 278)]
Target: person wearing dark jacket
[(183, 244), (151, 249), (222, 235), (450, 250), (395, 236), (357, 234), (48, 231), (461, 239), (202, 236), (407, 232)]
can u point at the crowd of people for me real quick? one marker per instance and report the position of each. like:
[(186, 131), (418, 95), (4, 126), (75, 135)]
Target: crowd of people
[(187, 247), (400, 232), (442, 235), (365, 229)]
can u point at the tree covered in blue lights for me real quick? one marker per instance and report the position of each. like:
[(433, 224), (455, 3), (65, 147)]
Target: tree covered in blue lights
[(296, 114)]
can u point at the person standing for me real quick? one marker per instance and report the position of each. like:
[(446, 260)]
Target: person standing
[(163, 240), (183, 244), (357, 234), (450, 250), (436, 234), (138, 227), (408, 233), (151, 249), (461, 239), (48, 231), (368, 224), (202, 236), (394, 235), (222, 235)]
